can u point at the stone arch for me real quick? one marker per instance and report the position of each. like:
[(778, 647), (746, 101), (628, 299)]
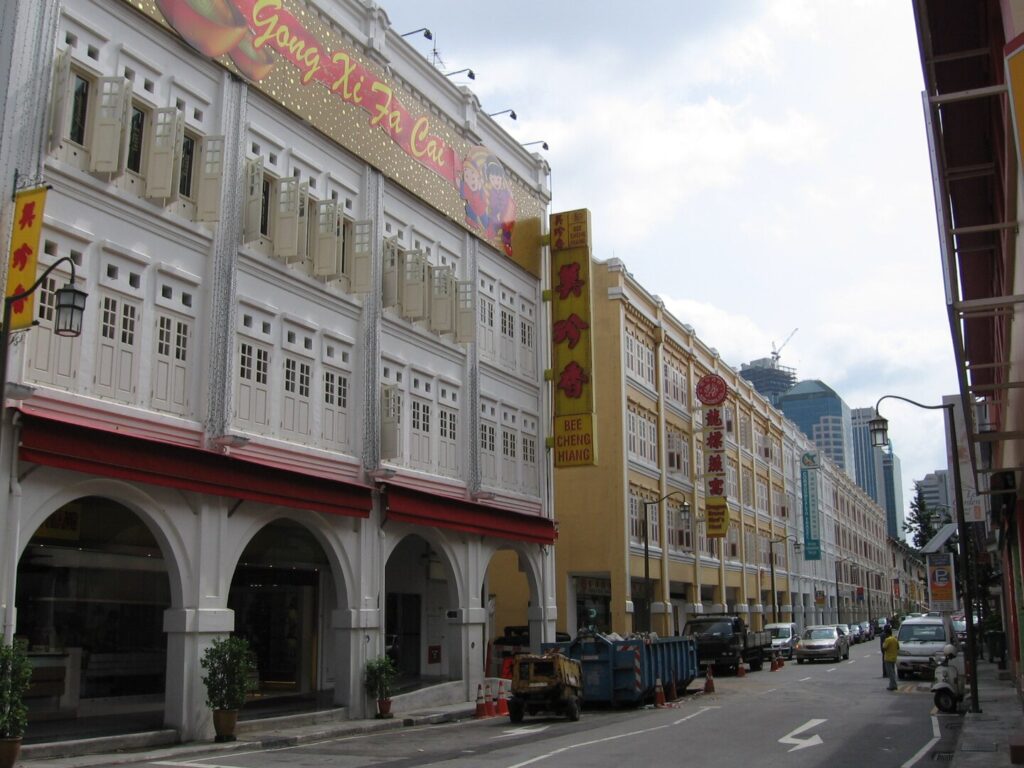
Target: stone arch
[(156, 514), (508, 567), (288, 613), (422, 619), (103, 632), (325, 530)]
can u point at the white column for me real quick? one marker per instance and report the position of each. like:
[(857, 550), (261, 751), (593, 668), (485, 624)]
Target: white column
[(190, 631)]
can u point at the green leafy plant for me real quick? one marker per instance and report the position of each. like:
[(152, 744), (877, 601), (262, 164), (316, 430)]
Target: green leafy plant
[(15, 675), (381, 674), (230, 667)]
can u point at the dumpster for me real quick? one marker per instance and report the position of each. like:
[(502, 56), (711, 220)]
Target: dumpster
[(624, 672)]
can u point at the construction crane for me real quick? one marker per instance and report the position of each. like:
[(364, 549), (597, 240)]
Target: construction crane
[(776, 351)]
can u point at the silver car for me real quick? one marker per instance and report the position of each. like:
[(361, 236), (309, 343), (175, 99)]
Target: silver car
[(823, 641)]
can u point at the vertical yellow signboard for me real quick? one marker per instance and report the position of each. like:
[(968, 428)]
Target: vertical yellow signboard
[(572, 344), (21, 266)]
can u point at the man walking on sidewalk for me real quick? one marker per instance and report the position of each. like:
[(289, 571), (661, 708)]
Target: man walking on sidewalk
[(890, 650)]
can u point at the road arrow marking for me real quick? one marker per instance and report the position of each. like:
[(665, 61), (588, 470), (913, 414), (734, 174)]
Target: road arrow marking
[(790, 738)]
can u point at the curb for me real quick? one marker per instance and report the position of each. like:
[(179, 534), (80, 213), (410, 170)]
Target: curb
[(68, 754)]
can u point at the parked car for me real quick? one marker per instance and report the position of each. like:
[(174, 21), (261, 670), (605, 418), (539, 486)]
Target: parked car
[(844, 629), (960, 627), (855, 634), (921, 638), (822, 641), (867, 630), (785, 638)]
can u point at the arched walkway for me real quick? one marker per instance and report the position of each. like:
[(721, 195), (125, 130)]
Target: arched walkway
[(92, 588)]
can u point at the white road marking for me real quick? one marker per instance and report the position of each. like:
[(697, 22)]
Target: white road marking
[(521, 731), (804, 679), (559, 751), (927, 747), (811, 741)]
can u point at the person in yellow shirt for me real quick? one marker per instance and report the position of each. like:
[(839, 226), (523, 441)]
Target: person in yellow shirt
[(890, 650)]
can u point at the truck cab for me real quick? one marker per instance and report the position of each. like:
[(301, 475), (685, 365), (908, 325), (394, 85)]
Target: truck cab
[(726, 642)]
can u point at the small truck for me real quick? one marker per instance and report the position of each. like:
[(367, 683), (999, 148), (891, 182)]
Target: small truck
[(549, 682), (725, 642)]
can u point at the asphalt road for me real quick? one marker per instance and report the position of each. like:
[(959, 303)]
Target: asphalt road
[(820, 714)]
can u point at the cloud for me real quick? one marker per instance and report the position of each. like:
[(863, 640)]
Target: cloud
[(753, 163)]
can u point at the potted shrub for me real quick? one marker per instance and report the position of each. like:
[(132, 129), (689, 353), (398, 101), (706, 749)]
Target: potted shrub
[(230, 667), (15, 675), (381, 674)]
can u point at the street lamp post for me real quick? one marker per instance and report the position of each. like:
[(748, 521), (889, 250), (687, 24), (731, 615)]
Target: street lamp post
[(839, 604), (771, 564), (647, 555), (879, 428), (68, 310)]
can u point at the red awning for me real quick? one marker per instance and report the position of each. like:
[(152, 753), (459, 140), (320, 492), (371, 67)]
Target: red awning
[(455, 514), (111, 454)]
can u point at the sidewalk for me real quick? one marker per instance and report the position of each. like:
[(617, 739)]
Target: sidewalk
[(268, 734), (984, 737)]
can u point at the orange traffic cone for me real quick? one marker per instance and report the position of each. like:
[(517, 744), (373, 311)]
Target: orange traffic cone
[(501, 708), (659, 693), (741, 670), (709, 682), (670, 691), (481, 707), (775, 663), (488, 701), (782, 662)]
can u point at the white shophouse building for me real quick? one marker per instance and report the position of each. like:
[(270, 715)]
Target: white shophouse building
[(307, 405)]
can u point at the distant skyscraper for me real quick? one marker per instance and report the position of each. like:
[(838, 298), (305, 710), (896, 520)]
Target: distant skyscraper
[(935, 490), (823, 416), (868, 458), (768, 377), (894, 513)]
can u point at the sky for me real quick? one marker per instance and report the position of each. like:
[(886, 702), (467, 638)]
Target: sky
[(761, 165)]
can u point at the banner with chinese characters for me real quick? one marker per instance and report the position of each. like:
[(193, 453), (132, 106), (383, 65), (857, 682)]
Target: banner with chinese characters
[(21, 266), (811, 510), (712, 391), (293, 53), (572, 351)]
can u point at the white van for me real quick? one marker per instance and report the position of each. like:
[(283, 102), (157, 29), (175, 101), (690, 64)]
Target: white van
[(784, 638), (920, 639)]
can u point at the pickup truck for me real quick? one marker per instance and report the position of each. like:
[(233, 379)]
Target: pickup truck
[(725, 642)]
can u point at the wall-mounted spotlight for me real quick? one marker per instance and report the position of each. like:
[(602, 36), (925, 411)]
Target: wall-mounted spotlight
[(510, 112), (469, 73), (543, 144), (426, 33)]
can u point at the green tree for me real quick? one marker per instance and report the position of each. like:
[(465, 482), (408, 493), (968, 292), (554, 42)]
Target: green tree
[(922, 522)]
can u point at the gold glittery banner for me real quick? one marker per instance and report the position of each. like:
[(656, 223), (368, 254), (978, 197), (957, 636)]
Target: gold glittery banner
[(287, 50)]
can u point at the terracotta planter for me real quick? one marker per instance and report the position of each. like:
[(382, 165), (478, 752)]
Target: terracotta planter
[(383, 708), (9, 749), (224, 721)]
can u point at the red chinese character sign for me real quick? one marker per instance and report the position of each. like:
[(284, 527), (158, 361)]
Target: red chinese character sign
[(572, 347), (712, 392), (21, 267)]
